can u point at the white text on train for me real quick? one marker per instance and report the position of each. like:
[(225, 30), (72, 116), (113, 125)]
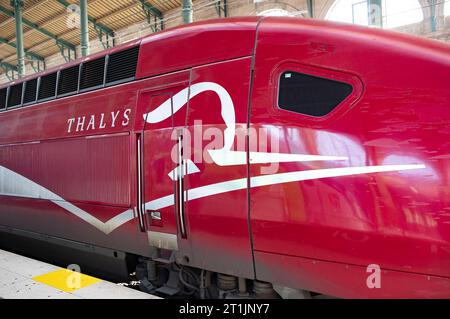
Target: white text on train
[(98, 121)]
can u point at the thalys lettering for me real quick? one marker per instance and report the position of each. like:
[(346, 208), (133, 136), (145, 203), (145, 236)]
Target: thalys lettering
[(98, 121)]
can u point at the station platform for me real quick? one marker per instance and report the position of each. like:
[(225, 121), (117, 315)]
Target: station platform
[(25, 278)]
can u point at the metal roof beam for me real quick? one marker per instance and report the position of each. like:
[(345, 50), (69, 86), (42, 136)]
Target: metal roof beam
[(375, 9), (310, 5), (154, 16), (9, 68), (84, 28), (41, 30), (20, 50), (29, 53), (97, 25), (151, 8), (186, 11), (222, 8), (11, 19), (433, 19)]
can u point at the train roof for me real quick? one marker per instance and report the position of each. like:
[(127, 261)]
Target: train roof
[(216, 40), (184, 40)]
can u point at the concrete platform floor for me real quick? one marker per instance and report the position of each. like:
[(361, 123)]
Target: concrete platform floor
[(26, 278)]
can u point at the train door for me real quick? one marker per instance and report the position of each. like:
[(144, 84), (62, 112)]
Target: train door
[(195, 203), (216, 206), (158, 140)]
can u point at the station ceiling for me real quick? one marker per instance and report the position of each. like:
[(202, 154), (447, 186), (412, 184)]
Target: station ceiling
[(48, 25)]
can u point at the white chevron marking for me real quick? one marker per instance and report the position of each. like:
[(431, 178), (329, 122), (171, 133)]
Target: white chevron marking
[(13, 184)]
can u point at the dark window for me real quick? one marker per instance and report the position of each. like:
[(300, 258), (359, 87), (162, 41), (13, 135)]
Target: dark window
[(30, 91), (310, 95), (68, 80), (47, 86), (15, 95), (92, 74), (122, 65), (3, 97)]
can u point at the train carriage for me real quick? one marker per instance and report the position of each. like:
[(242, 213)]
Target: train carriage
[(273, 155)]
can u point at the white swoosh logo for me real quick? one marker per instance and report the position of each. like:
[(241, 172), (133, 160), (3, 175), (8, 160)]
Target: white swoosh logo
[(164, 111), (225, 156)]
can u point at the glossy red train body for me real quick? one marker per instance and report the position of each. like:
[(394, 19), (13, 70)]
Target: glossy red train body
[(95, 167)]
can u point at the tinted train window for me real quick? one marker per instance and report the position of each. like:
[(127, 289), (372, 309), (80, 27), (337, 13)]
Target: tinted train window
[(92, 74), (30, 91), (68, 80), (310, 95), (47, 87), (3, 98), (15, 95)]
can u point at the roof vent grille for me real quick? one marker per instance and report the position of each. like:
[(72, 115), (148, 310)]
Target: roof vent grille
[(30, 91), (47, 87), (122, 66), (3, 97), (68, 80), (15, 95), (92, 74)]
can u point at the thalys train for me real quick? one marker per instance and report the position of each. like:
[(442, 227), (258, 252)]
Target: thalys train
[(246, 157)]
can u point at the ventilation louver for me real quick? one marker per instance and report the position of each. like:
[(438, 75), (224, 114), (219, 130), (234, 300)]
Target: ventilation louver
[(15, 95), (92, 74), (3, 97), (30, 91), (68, 80), (122, 66), (47, 86)]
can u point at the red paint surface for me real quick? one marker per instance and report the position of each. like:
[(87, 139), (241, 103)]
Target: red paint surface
[(319, 234)]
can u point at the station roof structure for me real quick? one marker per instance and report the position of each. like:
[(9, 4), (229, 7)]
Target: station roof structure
[(50, 26)]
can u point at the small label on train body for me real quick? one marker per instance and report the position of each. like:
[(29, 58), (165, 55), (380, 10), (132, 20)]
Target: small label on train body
[(98, 121), (242, 309)]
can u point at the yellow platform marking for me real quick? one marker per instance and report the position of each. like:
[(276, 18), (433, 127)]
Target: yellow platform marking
[(66, 280)]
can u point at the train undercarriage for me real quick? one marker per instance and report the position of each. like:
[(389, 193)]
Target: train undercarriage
[(169, 279)]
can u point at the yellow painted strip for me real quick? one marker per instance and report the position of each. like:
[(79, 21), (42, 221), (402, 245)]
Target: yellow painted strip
[(66, 280)]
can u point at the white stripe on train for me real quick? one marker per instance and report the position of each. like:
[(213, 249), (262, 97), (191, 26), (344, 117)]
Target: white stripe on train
[(14, 184)]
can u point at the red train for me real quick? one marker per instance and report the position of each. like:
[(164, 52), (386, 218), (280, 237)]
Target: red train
[(252, 156)]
